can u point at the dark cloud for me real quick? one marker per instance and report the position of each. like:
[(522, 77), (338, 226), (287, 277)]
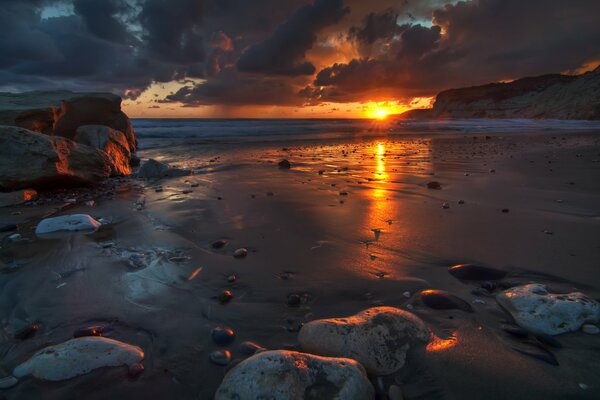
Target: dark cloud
[(283, 53), (383, 25), (102, 18)]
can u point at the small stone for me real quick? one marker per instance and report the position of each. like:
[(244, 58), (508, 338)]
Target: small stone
[(223, 335), (74, 222), (220, 357), (14, 237), (240, 253), (442, 300), (8, 382), (474, 272), (583, 386), (187, 191), (95, 330), (590, 329), (294, 300), (321, 171), (461, 202), (27, 332), (158, 190), (445, 205), (478, 301), (284, 164), (343, 193), (217, 244), (492, 171), (505, 210), (406, 294), (434, 185), (270, 194), (249, 348), (231, 278), (225, 296), (135, 370)]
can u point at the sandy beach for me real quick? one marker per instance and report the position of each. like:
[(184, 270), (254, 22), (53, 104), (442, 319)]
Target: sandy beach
[(351, 225)]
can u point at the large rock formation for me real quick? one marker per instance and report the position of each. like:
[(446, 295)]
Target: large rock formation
[(555, 96), (112, 142), (60, 113)]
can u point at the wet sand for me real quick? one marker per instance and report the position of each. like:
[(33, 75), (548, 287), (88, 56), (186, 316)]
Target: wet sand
[(361, 233)]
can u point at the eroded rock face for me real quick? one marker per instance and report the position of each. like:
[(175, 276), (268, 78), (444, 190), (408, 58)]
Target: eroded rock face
[(72, 223), (112, 142), (77, 357), (289, 375), (31, 159), (378, 338), (60, 113), (541, 312)]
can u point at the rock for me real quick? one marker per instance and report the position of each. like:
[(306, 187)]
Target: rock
[(590, 329), (17, 197), (294, 300), (445, 205), (112, 142), (289, 375), (434, 185), (220, 357), (225, 296), (153, 169), (15, 236), (73, 222), (95, 330), (240, 253), (472, 272), (540, 312), (217, 244), (249, 348), (442, 300), (61, 112), (378, 337), (77, 357), (284, 164), (7, 382), (223, 335), (30, 159)]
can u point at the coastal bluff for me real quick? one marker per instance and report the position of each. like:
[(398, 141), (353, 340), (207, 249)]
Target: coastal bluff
[(62, 138), (555, 96)]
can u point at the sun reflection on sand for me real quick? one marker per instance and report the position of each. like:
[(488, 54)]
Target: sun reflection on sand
[(381, 209)]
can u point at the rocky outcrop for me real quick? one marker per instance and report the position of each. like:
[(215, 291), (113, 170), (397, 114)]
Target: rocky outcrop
[(575, 97), (60, 113), (291, 375), (31, 159), (112, 142)]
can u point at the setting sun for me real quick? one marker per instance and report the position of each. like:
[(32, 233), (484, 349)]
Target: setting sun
[(381, 113)]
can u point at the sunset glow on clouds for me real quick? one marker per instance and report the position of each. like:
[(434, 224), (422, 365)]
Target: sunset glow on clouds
[(293, 58)]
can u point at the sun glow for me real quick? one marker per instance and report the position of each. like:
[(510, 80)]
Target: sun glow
[(382, 110)]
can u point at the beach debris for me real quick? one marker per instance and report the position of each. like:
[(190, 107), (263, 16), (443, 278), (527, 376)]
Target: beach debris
[(8, 381), (284, 164), (240, 253), (248, 348), (435, 185), (378, 337), (222, 335), (541, 312), (537, 351), (77, 357), (73, 222), (135, 370), (474, 272), (269, 375), (590, 329), (217, 244), (225, 296), (445, 205), (442, 300), (94, 330), (220, 357)]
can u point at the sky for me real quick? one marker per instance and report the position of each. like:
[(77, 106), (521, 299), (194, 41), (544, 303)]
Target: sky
[(288, 58)]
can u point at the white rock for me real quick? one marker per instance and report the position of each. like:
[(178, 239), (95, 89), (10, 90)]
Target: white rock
[(590, 329), (15, 236), (538, 311), (406, 294), (74, 222), (289, 375), (378, 337), (8, 382), (77, 357)]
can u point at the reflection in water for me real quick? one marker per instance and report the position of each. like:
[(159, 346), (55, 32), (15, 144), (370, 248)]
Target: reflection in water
[(380, 210)]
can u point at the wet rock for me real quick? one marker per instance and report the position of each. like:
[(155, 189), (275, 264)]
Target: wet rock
[(378, 337), (442, 300), (223, 335), (153, 169), (434, 185), (134, 371), (590, 329), (77, 357), (73, 222), (294, 300), (27, 332), (289, 375), (225, 296), (7, 382), (538, 352), (220, 357), (217, 244), (284, 164), (473, 272), (541, 312), (249, 348), (445, 205), (95, 330), (240, 253), (110, 141)]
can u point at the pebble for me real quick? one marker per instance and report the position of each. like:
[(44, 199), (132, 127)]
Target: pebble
[(441, 300), (249, 348), (8, 382), (220, 357), (492, 171), (461, 202), (505, 210), (95, 330), (406, 294), (445, 205), (434, 185), (473, 272), (225, 296), (14, 237), (240, 253), (294, 300), (478, 301), (231, 278), (135, 370), (223, 335), (217, 244), (343, 193), (583, 386), (590, 329), (284, 164)]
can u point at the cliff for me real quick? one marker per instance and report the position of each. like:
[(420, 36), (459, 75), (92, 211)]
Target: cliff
[(553, 96)]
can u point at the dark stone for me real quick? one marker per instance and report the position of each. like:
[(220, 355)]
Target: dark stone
[(249, 348), (217, 244), (225, 296), (284, 164), (220, 357), (538, 352), (135, 370), (505, 210), (293, 300), (515, 330), (223, 335), (472, 272), (434, 185), (9, 228), (95, 330), (27, 332), (441, 300)]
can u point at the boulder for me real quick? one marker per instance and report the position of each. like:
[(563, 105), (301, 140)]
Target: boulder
[(541, 312), (68, 223), (112, 142), (378, 338), (77, 357), (153, 169), (31, 159), (60, 113), (289, 375), (17, 197)]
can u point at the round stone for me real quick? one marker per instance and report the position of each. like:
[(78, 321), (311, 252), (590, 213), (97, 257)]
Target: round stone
[(225, 296), (590, 329), (217, 244), (240, 253), (223, 335), (220, 357), (284, 164), (294, 300)]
